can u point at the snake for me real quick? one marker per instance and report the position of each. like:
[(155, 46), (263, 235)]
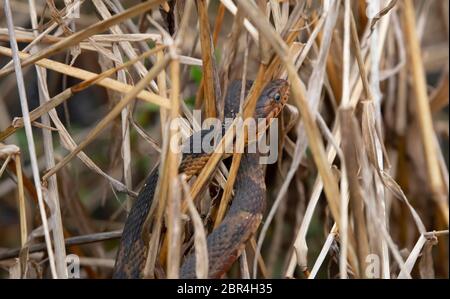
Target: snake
[(226, 242)]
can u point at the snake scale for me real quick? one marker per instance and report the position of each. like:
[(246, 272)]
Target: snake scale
[(244, 215)]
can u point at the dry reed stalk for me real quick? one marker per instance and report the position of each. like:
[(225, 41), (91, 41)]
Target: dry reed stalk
[(210, 81), (323, 252), (423, 111), (9, 152), (439, 99), (159, 205), (243, 262), (217, 27), (172, 181), (29, 134), (239, 145), (260, 262), (201, 248), (21, 199), (229, 53), (51, 194), (356, 192), (166, 190)]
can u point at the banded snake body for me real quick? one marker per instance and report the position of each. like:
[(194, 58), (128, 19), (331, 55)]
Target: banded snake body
[(225, 242)]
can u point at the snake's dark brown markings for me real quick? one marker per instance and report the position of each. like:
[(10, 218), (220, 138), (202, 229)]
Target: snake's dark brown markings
[(244, 216)]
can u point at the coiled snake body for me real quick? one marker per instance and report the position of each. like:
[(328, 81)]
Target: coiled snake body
[(244, 216)]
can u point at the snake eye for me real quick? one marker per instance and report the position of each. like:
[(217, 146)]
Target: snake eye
[(277, 97)]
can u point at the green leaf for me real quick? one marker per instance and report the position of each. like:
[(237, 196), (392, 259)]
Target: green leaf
[(190, 102), (196, 74)]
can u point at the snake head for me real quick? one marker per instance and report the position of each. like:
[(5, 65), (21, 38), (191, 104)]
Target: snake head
[(272, 99)]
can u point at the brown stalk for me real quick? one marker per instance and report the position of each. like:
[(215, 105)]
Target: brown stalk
[(229, 52), (423, 111), (8, 152), (201, 248), (333, 73), (159, 205), (168, 172), (439, 99), (261, 263), (289, 40), (217, 27), (21, 200), (210, 81), (350, 151)]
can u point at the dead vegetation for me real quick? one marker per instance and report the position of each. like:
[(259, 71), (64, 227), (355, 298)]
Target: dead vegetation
[(89, 88)]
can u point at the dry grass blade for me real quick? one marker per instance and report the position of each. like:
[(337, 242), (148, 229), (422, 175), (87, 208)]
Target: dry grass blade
[(166, 190), (381, 13), (323, 252), (36, 113), (31, 145), (85, 239), (81, 35), (22, 207), (201, 248), (210, 81), (424, 239), (423, 110), (217, 27), (51, 194), (356, 193), (439, 99), (110, 116), (12, 151), (171, 170)]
